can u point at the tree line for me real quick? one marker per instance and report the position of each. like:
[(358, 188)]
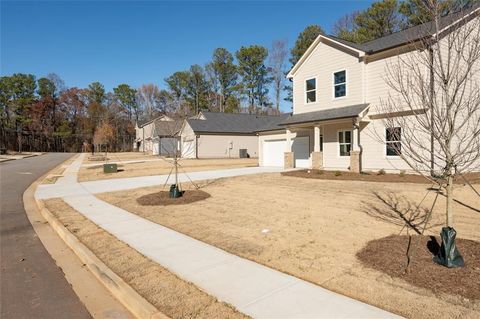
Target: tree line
[(47, 115)]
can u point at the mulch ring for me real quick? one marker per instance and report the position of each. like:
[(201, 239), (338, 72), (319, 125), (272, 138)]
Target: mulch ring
[(388, 255), (373, 177), (162, 198)]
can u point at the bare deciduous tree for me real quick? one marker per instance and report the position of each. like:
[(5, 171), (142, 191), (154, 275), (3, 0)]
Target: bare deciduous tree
[(277, 59), (148, 96), (435, 100)]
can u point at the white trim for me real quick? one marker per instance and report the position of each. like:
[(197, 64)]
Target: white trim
[(305, 90), (338, 142), (385, 143), (333, 85)]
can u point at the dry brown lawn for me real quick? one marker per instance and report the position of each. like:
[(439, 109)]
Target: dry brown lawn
[(159, 166), (171, 295), (313, 229)]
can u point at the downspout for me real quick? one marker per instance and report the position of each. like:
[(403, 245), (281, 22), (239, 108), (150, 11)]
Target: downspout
[(196, 146), (432, 122)]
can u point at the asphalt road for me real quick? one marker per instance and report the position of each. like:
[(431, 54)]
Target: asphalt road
[(32, 286)]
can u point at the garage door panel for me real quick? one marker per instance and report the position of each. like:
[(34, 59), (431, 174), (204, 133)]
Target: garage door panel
[(273, 152)]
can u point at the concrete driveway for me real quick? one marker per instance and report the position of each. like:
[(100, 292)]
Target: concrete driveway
[(32, 285)]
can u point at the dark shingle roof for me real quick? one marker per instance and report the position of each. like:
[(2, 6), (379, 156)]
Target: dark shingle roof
[(232, 123), (408, 35), (167, 128), (323, 115)]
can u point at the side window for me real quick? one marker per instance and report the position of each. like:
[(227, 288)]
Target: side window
[(393, 139), (311, 90), (345, 142), (340, 84)]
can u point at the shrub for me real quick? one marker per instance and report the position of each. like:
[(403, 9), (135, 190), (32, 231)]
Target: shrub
[(320, 172), (381, 172), (338, 173), (402, 173)]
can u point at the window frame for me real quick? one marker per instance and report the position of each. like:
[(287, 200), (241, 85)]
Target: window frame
[(343, 83), (307, 91), (392, 142), (344, 143)]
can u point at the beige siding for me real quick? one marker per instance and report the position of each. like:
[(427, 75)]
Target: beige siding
[(321, 64), (226, 146), (331, 149), (374, 154), (188, 141)]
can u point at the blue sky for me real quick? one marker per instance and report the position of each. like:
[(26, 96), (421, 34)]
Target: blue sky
[(139, 42)]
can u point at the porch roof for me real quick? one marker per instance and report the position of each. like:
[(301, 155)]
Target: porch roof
[(323, 115)]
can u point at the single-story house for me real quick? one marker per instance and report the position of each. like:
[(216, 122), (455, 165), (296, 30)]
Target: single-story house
[(223, 135), (158, 136)]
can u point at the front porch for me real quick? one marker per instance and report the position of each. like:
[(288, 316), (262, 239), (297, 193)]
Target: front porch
[(334, 139)]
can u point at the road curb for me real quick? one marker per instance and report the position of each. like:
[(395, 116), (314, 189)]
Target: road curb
[(125, 294)]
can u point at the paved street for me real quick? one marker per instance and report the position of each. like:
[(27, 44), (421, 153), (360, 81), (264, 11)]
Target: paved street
[(32, 286)]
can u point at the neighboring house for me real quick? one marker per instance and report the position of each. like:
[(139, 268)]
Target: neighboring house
[(158, 136), (336, 124), (223, 135)]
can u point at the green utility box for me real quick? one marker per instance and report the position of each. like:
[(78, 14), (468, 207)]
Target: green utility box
[(109, 168)]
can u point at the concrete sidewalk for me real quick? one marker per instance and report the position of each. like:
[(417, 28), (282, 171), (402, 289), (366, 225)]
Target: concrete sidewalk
[(64, 185), (253, 289)]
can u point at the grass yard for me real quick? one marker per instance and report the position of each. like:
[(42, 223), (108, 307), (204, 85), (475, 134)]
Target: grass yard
[(147, 165), (171, 295), (313, 229)]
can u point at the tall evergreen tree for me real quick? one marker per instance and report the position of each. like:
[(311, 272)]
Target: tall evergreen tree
[(255, 75), (197, 89), (18, 95), (225, 75), (127, 98)]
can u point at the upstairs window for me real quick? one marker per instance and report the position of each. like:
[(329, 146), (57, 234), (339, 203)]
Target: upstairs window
[(345, 142), (393, 138), (340, 84), (311, 90)]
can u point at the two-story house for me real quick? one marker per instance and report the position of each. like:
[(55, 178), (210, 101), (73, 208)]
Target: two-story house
[(338, 89)]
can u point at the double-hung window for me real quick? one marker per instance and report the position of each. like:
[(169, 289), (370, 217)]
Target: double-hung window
[(340, 84), (311, 90), (393, 139), (345, 142)]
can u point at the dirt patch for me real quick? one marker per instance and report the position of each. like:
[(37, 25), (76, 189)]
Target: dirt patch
[(388, 255), (168, 293), (473, 178), (163, 199), (313, 229)]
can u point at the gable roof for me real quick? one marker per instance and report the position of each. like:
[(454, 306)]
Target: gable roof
[(395, 39), (167, 128), (216, 122)]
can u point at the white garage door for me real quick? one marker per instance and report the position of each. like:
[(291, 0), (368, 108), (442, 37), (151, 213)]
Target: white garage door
[(301, 151), (273, 152)]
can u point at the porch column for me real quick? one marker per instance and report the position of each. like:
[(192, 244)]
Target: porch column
[(288, 159), (355, 149), (317, 156)]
